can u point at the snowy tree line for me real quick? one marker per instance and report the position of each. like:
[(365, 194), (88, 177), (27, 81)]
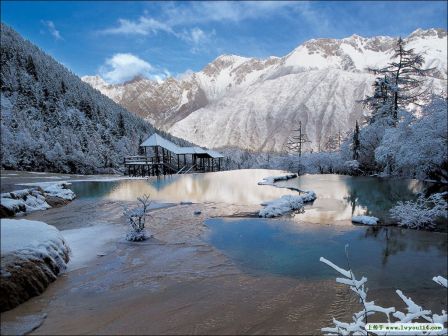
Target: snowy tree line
[(53, 121)]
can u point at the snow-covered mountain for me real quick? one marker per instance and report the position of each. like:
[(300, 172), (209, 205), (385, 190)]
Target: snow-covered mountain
[(254, 104), (53, 121)]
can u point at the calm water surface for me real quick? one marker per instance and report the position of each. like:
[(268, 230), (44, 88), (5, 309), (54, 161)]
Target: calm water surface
[(292, 245), (338, 197), (389, 257)]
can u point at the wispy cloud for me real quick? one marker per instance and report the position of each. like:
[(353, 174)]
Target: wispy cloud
[(125, 66), (52, 29), (143, 26), (197, 38), (182, 19)]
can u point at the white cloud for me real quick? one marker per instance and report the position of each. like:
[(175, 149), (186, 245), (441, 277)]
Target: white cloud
[(122, 67), (52, 29), (143, 26)]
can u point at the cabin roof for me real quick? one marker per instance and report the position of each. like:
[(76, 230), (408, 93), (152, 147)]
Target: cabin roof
[(214, 154), (157, 140)]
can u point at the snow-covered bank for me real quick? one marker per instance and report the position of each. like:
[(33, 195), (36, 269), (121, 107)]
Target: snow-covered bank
[(285, 204), (366, 220), (272, 179), (41, 197), (32, 255)]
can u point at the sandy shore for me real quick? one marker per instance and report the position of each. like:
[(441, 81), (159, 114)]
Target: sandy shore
[(174, 283)]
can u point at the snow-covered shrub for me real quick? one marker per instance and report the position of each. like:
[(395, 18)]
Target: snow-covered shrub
[(351, 167), (136, 219), (417, 147), (422, 213), (415, 313)]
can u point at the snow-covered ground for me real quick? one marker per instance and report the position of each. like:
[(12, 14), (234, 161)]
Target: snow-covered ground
[(22, 201), (33, 254), (286, 204), (366, 220)]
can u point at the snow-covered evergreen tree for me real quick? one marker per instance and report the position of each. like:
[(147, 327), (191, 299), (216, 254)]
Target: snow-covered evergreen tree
[(400, 82)]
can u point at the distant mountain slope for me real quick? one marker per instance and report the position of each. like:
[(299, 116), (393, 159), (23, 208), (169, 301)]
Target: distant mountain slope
[(51, 120), (253, 104)]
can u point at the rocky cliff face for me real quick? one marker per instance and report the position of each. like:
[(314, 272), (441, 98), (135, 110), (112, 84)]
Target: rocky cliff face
[(253, 104)]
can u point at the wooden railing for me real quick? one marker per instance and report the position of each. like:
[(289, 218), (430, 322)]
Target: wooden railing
[(135, 159)]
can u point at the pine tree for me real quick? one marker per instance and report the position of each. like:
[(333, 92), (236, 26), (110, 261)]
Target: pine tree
[(31, 67), (140, 149), (121, 126), (399, 83), (381, 102), (296, 140), (356, 142)]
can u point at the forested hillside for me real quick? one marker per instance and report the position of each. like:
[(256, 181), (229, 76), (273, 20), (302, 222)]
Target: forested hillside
[(53, 121)]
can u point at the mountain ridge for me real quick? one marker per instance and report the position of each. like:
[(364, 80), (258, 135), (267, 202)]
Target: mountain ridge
[(53, 121), (190, 107)]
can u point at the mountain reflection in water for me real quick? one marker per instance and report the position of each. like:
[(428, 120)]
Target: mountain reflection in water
[(338, 197)]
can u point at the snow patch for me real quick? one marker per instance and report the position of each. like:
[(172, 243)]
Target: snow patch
[(286, 204), (366, 220), (272, 179)]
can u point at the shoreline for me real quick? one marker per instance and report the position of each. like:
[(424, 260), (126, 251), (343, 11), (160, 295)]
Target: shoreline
[(174, 283), (177, 278)]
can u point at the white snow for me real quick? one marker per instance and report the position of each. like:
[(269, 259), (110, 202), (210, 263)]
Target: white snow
[(25, 200), (286, 204), (272, 179), (31, 238), (12, 204), (28, 200), (367, 220), (58, 190)]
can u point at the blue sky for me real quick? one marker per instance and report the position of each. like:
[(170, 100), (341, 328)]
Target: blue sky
[(121, 39)]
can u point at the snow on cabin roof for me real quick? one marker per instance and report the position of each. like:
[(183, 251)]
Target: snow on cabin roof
[(214, 154), (157, 140)]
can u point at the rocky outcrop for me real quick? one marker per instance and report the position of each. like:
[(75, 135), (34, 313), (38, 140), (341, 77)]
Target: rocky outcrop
[(32, 255), (42, 197)]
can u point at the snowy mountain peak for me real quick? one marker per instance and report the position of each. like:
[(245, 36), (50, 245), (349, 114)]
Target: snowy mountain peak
[(246, 102), (95, 81), (432, 32)]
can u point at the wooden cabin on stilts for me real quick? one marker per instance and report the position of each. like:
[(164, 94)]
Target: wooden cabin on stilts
[(163, 157)]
